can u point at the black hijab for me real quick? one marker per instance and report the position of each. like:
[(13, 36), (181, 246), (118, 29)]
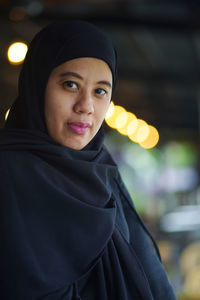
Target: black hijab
[(68, 227), (55, 44)]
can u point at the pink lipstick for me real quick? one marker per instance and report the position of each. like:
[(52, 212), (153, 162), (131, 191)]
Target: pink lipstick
[(79, 127)]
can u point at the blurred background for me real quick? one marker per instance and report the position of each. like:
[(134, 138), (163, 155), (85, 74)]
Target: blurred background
[(158, 44)]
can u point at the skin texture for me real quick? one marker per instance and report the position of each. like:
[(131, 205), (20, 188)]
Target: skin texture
[(77, 95)]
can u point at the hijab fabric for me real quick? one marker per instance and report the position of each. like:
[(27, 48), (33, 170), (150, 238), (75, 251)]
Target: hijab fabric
[(68, 227), (55, 44)]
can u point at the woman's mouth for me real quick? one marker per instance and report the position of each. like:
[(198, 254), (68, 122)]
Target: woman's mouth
[(79, 127)]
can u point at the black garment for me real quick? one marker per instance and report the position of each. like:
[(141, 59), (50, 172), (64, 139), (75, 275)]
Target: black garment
[(63, 234), (68, 228)]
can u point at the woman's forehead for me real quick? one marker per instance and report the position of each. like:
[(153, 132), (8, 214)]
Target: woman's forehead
[(78, 67)]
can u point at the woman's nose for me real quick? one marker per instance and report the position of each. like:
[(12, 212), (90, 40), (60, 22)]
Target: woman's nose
[(84, 104)]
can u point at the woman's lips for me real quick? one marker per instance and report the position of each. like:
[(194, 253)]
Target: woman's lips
[(79, 127)]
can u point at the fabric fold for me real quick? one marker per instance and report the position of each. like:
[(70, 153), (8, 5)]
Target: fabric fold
[(55, 228)]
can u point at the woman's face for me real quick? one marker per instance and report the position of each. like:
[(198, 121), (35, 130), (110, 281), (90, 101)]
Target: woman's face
[(77, 97)]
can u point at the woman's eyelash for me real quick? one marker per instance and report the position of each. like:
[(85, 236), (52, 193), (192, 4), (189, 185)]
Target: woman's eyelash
[(70, 84), (101, 91), (74, 86)]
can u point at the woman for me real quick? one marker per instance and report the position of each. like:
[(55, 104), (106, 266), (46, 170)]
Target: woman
[(68, 226)]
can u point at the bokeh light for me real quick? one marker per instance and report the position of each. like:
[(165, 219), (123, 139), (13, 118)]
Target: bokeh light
[(111, 121), (6, 114), (136, 130), (123, 129), (143, 133), (132, 127), (17, 13), (126, 123), (110, 110), (152, 139), (121, 120), (17, 52)]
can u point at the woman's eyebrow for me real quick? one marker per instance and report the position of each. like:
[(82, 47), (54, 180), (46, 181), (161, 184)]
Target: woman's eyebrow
[(71, 74), (107, 83)]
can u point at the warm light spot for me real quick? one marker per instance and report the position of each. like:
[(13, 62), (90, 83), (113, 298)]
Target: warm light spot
[(121, 120), (152, 139), (110, 110), (112, 120), (134, 129), (127, 123), (17, 13), (142, 133), (17, 52), (6, 114), (129, 117)]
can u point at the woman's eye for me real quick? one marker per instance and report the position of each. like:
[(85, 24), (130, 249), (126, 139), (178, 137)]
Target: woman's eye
[(70, 84), (100, 91)]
